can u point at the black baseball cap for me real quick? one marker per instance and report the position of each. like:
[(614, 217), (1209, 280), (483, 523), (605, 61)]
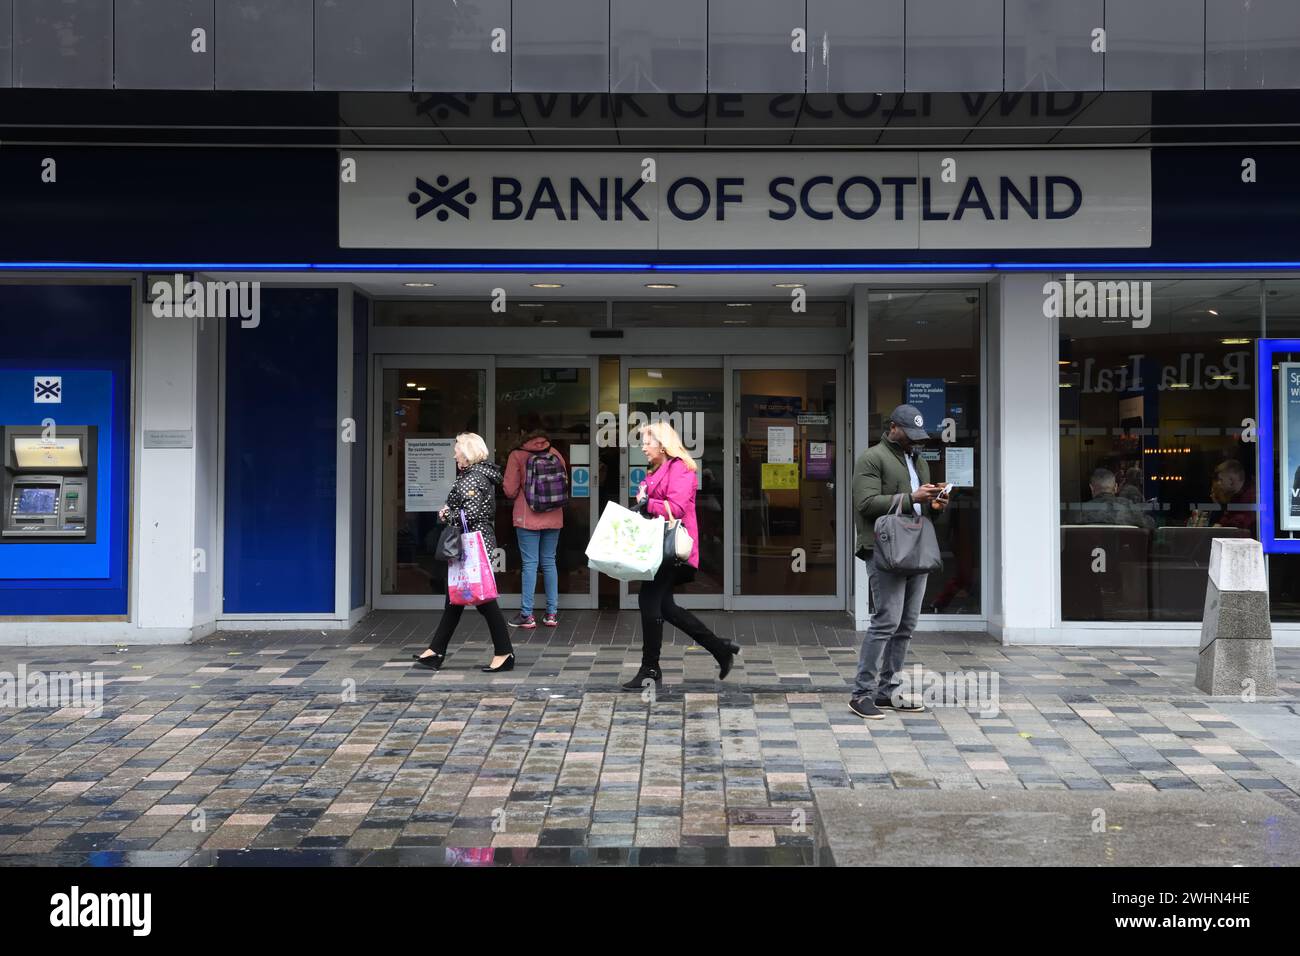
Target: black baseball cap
[(909, 419)]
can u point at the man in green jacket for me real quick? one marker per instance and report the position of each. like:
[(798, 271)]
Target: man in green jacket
[(889, 468)]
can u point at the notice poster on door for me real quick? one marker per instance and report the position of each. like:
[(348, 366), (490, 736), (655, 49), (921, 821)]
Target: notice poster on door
[(780, 444), (927, 396), (780, 477), (959, 467), (430, 471), (819, 463)]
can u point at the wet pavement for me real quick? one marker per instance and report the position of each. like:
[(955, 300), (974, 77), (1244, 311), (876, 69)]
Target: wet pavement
[(311, 748)]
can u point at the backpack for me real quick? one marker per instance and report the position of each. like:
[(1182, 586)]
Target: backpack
[(546, 486)]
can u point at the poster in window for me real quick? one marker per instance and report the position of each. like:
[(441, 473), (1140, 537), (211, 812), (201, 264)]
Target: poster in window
[(1289, 446)]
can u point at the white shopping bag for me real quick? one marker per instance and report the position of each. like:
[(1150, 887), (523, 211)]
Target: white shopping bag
[(625, 545)]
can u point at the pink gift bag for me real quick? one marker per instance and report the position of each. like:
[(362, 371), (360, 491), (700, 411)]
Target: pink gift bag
[(470, 581)]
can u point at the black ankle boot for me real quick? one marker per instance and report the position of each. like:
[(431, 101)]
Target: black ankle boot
[(727, 658), (642, 675)]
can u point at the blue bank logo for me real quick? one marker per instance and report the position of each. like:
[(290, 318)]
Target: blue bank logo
[(443, 197)]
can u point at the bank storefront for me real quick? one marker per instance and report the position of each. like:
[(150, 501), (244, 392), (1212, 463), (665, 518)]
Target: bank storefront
[(1077, 326)]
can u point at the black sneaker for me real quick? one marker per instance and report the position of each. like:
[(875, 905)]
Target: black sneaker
[(907, 705), (865, 708), (519, 620)]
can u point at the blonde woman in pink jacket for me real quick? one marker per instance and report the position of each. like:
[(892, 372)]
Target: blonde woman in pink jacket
[(670, 487)]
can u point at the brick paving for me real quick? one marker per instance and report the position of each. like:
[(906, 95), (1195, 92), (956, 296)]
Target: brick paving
[(332, 741)]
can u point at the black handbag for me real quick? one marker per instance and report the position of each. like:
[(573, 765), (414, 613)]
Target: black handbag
[(448, 547)]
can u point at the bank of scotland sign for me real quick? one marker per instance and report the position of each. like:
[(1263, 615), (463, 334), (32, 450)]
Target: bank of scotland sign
[(842, 200)]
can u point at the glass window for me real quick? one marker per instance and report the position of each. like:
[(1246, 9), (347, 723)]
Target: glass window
[(924, 349), (524, 313), (1282, 321), (1155, 385), (741, 313)]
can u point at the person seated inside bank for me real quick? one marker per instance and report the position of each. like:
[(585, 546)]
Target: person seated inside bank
[(1108, 506)]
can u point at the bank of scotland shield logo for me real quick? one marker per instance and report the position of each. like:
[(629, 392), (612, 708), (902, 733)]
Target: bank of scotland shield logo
[(48, 390)]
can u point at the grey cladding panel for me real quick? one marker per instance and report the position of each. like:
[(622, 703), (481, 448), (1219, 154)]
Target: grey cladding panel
[(751, 49), (561, 46), (453, 46), (855, 46), (1252, 44), (658, 47), (954, 45), (63, 44), (6, 43), (363, 44), (265, 44), (1049, 44), (154, 47), (1155, 45)]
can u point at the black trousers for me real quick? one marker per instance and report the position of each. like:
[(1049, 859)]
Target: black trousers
[(491, 612), (657, 605)]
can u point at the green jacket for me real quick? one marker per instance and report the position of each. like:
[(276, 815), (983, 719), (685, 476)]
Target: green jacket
[(880, 473)]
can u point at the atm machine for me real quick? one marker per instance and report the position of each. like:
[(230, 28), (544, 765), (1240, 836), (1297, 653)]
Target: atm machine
[(48, 484)]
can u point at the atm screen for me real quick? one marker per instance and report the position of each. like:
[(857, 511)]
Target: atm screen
[(37, 501)]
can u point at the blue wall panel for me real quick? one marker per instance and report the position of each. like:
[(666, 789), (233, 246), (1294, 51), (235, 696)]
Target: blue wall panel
[(82, 333), (360, 402), (282, 434)]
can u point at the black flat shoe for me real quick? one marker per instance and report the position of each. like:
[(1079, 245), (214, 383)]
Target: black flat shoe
[(642, 675), (506, 665), (432, 661), (728, 659)]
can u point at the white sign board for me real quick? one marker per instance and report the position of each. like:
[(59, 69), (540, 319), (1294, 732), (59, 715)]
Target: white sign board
[(430, 472), (996, 199), (959, 466), (780, 444)]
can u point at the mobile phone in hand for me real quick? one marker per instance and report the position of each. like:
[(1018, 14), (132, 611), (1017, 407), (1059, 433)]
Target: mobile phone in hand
[(946, 488)]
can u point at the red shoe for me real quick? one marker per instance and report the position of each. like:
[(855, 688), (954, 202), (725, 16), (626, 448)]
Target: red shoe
[(550, 620)]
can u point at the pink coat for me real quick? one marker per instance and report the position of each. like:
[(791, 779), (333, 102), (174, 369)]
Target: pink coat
[(513, 487), (674, 482)]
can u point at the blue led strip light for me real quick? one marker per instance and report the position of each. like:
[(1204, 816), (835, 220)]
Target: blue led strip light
[(1266, 477)]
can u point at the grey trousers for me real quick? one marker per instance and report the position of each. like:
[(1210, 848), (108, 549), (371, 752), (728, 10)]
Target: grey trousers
[(896, 605)]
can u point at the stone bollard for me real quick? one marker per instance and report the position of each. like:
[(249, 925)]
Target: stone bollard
[(1236, 636)]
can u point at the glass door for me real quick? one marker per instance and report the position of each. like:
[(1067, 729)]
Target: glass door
[(689, 394), (422, 408), (556, 398), (787, 455)]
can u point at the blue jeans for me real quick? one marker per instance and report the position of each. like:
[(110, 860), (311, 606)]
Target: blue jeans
[(530, 544), (895, 607)]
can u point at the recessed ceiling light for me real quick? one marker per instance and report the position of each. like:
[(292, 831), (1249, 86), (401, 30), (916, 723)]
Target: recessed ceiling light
[(419, 285), (1222, 378), (654, 373), (735, 321), (895, 340), (739, 305), (1063, 362), (875, 353), (532, 305), (422, 389), (412, 384), (550, 321), (660, 285), (1212, 311), (1180, 385), (1065, 385), (787, 285), (1234, 341), (548, 285)]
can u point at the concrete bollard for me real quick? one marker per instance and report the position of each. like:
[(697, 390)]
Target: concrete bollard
[(1236, 636)]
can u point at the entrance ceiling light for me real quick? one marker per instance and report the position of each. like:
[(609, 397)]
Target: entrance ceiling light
[(548, 285), (787, 285), (660, 285), (419, 285)]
